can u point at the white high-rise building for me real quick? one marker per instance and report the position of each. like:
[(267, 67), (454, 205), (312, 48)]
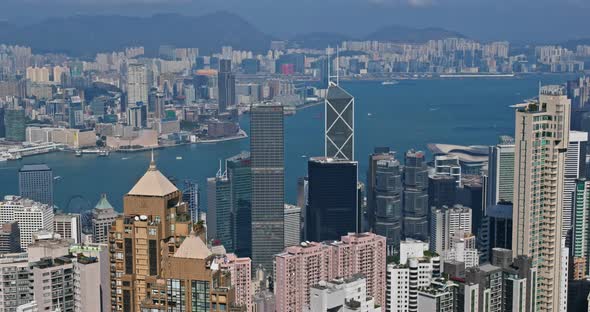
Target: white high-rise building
[(444, 223), (31, 217), (403, 279), (137, 84), (541, 141), (349, 294), (500, 186), (575, 160)]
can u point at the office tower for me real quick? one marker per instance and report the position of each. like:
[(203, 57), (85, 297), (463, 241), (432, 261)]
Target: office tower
[(154, 220), (416, 268), (15, 282), (445, 222), (268, 181), (219, 210), (226, 84), (470, 194), (292, 225), (300, 267), (103, 216), (30, 215), (442, 191), (14, 122), (239, 174), (380, 153), (159, 111), (415, 198), (68, 226), (35, 182), (439, 296), (137, 84), (332, 209), (189, 94), (448, 165), (575, 168), (191, 195), (342, 293), (500, 185), (542, 136), (76, 113), (580, 249), (302, 193), (499, 228), (339, 128), (137, 115), (9, 238), (388, 191)]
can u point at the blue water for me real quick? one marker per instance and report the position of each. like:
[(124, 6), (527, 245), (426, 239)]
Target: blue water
[(408, 115)]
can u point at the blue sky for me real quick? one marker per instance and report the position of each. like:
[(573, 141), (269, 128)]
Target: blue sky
[(522, 20)]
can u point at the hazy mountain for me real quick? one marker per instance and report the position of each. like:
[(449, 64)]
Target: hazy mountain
[(319, 40), (396, 33), (87, 35)]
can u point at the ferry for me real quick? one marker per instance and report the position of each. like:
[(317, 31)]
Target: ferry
[(103, 153), (389, 82), (178, 157), (57, 178), (78, 153)]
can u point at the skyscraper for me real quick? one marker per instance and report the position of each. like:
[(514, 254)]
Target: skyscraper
[(268, 180), (332, 209), (575, 168), (219, 210), (103, 216), (541, 140), (380, 153), (14, 122), (226, 85), (442, 191), (292, 225), (500, 184), (580, 249), (137, 84), (36, 182), (415, 196), (339, 129), (68, 226), (445, 222), (239, 174), (388, 202)]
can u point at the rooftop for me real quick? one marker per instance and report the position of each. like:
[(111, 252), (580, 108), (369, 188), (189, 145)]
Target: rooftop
[(193, 248), (103, 203), (35, 167), (153, 183)]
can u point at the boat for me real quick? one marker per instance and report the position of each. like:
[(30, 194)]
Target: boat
[(178, 157), (57, 178), (78, 153), (103, 153), (369, 114), (389, 82), (303, 156)]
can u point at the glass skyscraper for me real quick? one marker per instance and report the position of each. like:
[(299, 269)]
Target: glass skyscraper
[(268, 179), (36, 182), (239, 173), (339, 131), (388, 202), (415, 196), (226, 84), (332, 209)]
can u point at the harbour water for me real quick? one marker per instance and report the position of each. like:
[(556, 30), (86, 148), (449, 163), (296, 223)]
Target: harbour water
[(407, 115)]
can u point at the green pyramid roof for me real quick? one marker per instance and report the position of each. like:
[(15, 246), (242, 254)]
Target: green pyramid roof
[(103, 203)]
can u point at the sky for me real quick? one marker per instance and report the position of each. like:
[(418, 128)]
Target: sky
[(546, 21)]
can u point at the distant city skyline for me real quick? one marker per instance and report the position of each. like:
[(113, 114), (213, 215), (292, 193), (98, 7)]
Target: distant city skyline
[(476, 19)]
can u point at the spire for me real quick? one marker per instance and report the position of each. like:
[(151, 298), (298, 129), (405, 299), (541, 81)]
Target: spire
[(153, 162)]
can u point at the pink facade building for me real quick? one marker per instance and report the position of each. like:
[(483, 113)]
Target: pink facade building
[(300, 267), (241, 278)]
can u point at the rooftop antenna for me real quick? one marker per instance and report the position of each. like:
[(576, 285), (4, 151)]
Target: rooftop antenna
[(337, 65), (153, 162)]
